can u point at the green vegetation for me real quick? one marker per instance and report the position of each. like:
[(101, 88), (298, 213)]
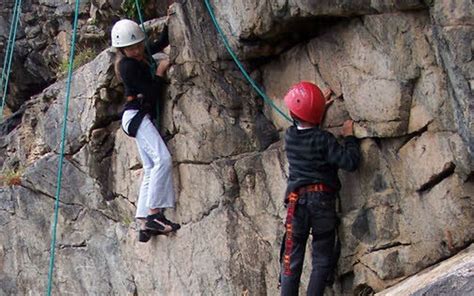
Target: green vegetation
[(127, 221), (82, 56), (11, 177), (130, 9)]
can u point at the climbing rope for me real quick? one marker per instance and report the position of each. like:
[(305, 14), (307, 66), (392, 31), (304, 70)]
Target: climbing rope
[(61, 157), (7, 62), (241, 67), (150, 57)]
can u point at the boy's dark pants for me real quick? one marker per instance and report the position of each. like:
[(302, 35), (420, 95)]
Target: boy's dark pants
[(315, 212)]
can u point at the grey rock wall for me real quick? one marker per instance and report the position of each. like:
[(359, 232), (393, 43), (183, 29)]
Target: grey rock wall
[(451, 277), (400, 69)]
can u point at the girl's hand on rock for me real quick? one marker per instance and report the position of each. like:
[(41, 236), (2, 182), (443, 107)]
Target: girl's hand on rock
[(169, 12), (163, 67)]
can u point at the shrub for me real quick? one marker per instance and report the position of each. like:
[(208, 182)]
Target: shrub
[(83, 56), (11, 177), (130, 9)]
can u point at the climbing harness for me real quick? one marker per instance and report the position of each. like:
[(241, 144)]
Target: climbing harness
[(135, 122), (240, 66), (287, 243), (61, 157), (7, 62), (292, 200)]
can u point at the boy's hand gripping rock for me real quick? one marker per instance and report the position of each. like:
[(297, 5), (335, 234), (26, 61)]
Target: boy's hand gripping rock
[(348, 128), (327, 94)]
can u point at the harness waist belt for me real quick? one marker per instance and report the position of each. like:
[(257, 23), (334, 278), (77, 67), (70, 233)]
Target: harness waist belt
[(314, 188)]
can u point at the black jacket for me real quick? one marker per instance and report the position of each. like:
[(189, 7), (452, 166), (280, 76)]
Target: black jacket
[(138, 78), (315, 156)]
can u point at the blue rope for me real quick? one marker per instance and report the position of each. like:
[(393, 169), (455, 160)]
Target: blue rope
[(61, 158), (8, 47), (241, 67), (150, 58), (9, 54)]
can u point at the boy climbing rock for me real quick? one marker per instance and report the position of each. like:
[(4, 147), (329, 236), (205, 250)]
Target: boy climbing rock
[(314, 157)]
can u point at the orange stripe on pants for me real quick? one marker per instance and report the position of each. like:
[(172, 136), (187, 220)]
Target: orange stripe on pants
[(292, 200)]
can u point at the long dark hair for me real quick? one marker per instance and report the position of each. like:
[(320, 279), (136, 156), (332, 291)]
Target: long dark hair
[(119, 55)]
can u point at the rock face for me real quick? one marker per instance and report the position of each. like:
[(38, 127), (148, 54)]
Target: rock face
[(401, 69), (451, 277)]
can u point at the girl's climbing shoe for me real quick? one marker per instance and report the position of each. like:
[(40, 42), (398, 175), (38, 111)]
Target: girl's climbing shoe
[(144, 235), (162, 218), (158, 222), (154, 223)]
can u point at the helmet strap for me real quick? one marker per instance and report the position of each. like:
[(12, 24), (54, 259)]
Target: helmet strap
[(296, 120)]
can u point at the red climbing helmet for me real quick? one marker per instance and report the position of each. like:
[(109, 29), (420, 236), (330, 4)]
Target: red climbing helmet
[(306, 102)]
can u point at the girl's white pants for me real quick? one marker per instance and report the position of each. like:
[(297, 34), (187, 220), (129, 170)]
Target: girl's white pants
[(156, 190)]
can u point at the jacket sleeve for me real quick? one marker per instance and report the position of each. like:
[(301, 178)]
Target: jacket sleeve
[(345, 156), (162, 42)]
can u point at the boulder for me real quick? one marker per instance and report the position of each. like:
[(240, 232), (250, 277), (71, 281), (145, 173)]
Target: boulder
[(450, 277)]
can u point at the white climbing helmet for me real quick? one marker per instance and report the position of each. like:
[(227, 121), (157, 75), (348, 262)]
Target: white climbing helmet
[(125, 33)]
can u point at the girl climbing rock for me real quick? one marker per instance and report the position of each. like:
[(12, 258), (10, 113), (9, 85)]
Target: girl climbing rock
[(142, 88)]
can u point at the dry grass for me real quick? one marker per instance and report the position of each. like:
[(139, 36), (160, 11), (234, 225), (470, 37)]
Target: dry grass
[(10, 178), (83, 56)]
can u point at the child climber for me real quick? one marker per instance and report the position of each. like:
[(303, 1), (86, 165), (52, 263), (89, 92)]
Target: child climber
[(142, 89), (314, 158)]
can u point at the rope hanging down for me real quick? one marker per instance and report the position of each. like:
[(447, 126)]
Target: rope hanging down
[(7, 62), (61, 157), (150, 57), (241, 67), (142, 24)]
